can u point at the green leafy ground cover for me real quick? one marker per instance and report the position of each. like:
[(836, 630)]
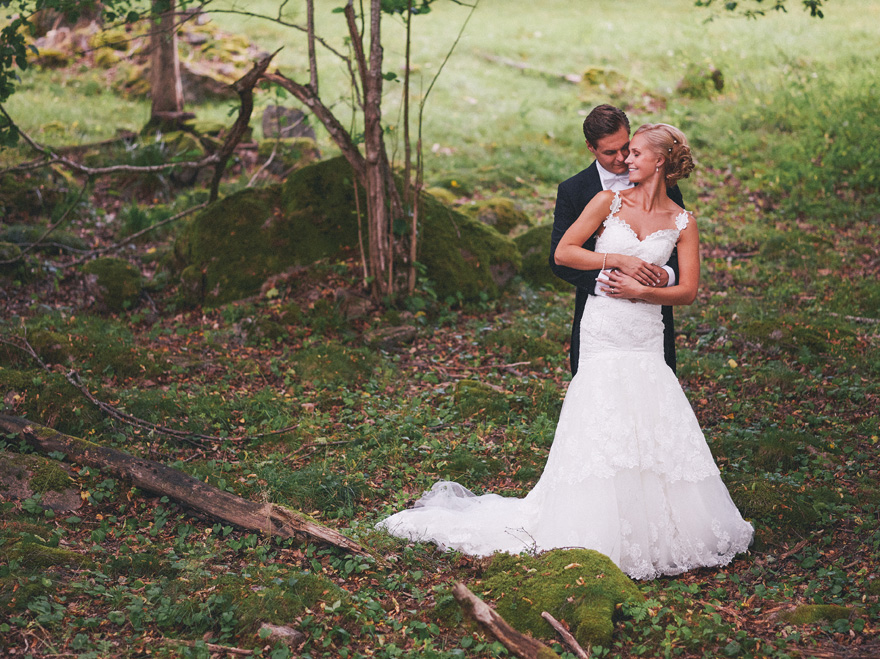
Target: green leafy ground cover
[(779, 358)]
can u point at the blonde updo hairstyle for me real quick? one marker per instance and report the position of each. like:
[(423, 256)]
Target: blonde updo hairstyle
[(669, 143)]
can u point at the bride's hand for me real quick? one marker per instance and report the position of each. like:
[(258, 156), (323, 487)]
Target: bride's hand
[(643, 272), (622, 286)]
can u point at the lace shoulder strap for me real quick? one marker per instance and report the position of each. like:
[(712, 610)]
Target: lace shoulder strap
[(682, 220), (616, 203)]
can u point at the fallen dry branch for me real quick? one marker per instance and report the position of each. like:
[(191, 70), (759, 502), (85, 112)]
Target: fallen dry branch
[(566, 636), (493, 624), (268, 518)]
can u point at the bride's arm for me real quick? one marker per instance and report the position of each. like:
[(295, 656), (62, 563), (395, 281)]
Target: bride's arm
[(569, 252), (685, 290)]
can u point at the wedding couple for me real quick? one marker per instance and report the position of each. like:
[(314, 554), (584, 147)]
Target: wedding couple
[(629, 473)]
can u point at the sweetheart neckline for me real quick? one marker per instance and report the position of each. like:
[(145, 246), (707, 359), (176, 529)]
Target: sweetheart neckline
[(616, 204)]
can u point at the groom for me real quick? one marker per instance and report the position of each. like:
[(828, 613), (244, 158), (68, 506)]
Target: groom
[(606, 130)]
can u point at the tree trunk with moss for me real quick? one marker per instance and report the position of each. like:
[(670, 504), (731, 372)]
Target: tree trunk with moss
[(157, 478)]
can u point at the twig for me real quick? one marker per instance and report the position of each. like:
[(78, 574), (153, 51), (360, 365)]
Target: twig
[(54, 158), (136, 235), (244, 87), (570, 640), (855, 319), (794, 550), (211, 647), (52, 228), (264, 165), (74, 379)]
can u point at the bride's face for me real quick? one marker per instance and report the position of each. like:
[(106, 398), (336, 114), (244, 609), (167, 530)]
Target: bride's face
[(642, 161)]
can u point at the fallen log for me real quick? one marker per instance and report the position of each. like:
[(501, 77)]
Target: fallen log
[(493, 624), (160, 479)]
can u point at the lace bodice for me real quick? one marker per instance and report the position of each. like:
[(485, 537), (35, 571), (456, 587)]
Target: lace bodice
[(618, 237)]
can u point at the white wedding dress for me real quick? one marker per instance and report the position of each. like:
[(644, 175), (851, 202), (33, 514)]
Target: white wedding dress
[(629, 473)]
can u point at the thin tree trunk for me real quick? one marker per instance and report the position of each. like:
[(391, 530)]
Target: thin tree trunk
[(166, 86), (155, 477)]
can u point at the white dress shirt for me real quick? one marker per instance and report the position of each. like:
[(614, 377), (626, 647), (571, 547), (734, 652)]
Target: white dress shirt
[(612, 181)]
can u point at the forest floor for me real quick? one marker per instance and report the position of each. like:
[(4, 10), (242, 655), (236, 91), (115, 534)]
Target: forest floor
[(788, 400)]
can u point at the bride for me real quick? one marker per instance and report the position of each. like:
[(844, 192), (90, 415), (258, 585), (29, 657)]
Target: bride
[(629, 473)]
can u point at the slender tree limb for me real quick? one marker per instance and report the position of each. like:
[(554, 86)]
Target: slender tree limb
[(337, 131), (73, 378), (244, 87), (52, 228), (53, 158), (160, 479), (493, 624), (110, 248), (569, 640)]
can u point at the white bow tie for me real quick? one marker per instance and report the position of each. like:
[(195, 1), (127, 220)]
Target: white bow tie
[(613, 182)]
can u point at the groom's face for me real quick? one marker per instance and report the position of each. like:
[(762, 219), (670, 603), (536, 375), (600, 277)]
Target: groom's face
[(611, 151)]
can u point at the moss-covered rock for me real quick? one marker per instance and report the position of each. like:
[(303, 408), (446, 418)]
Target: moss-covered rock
[(114, 38), (810, 614), (580, 586), (25, 234), (497, 212), (38, 555), (534, 247), (700, 81), (242, 240), (53, 58), (22, 476), (443, 195), (117, 283)]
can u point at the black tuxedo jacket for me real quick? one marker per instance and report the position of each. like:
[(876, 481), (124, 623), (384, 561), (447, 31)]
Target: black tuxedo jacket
[(572, 197)]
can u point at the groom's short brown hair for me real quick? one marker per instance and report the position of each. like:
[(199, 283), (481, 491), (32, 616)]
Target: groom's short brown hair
[(604, 120)]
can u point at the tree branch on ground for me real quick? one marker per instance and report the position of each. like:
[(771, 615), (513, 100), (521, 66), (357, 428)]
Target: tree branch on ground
[(493, 624), (566, 636), (268, 518)]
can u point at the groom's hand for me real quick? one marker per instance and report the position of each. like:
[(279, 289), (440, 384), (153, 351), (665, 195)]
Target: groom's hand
[(647, 274), (664, 279)]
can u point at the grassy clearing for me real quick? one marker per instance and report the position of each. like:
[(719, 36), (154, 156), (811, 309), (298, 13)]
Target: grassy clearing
[(777, 358)]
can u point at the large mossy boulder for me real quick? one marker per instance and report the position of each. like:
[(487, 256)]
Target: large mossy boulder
[(239, 242), (580, 586), (534, 247)]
